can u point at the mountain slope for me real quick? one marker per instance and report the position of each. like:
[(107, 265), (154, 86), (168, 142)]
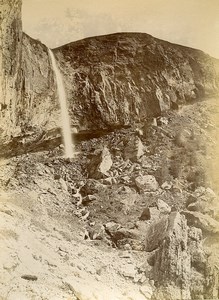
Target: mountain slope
[(116, 79)]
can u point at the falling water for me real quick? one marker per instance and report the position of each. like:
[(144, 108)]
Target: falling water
[(66, 127)]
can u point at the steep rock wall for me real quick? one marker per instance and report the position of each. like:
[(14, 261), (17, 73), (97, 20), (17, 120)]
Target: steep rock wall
[(10, 62), (38, 108), (28, 101), (118, 79)]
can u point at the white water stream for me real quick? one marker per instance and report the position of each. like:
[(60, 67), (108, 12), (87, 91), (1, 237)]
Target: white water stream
[(65, 119)]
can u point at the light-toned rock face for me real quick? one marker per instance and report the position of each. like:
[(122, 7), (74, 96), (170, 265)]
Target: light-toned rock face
[(27, 89), (38, 106)]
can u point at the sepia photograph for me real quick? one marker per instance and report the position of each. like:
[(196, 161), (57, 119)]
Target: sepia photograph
[(109, 150)]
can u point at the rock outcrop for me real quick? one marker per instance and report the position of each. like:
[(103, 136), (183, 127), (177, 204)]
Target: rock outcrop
[(172, 261), (182, 268)]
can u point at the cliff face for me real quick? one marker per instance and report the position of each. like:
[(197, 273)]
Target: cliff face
[(111, 80), (10, 62), (38, 108), (133, 190), (116, 79), (27, 89)]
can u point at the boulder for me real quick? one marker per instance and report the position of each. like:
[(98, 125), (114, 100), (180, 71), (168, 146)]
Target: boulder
[(163, 207), (109, 181), (135, 244), (162, 121), (145, 215), (147, 291), (134, 149), (182, 137), (166, 185), (112, 227), (100, 164), (92, 187), (202, 221), (88, 199), (204, 200), (146, 183), (118, 233), (63, 185), (128, 270)]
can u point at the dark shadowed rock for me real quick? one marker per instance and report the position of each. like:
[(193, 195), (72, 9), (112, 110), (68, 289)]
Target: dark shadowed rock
[(145, 215), (156, 233), (10, 53), (118, 234), (91, 187), (88, 199), (198, 256)]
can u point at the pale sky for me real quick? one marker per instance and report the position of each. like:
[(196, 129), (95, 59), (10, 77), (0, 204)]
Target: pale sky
[(193, 23)]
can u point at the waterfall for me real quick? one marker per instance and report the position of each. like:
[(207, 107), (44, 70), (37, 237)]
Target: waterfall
[(65, 119)]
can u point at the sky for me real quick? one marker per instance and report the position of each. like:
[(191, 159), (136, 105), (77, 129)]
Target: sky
[(193, 23)]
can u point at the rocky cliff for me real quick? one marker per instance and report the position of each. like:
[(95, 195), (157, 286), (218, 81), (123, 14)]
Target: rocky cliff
[(27, 91), (118, 79), (111, 80), (38, 107), (135, 214), (10, 62)]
